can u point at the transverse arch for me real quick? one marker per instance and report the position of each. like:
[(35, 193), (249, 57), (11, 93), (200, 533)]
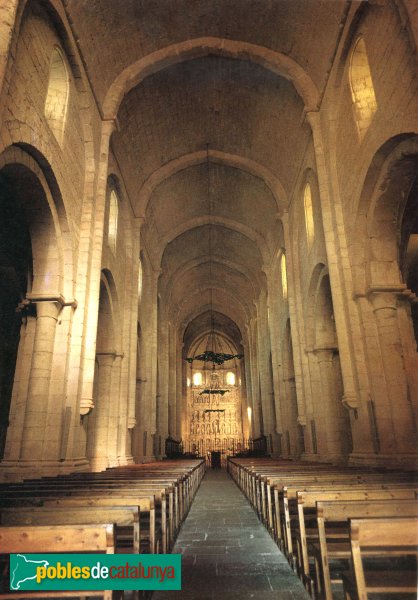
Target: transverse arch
[(57, 95)]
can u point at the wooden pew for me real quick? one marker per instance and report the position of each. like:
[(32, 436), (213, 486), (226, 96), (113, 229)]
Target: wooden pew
[(148, 524), (272, 487), (331, 479), (160, 517), (153, 527), (182, 476), (172, 485), (258, 477), (62, 539), (36, 491), (153, 522), (125, 518), (329, 513), (306, 507), (287, 500), (388, 538)]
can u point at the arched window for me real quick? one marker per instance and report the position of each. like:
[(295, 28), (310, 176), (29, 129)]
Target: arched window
[(362, 90), (57, 95), (230, 378), (197, 378), (113, 221), (309, 220), (284, 275), (140, 280)]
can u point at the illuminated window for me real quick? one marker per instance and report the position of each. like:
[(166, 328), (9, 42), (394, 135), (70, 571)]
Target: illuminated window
[(230, 378), (284, 275), (140, 282), (57, 95), (197, 378), (362, 90), (113, 221), (309, 221), (188, 382)]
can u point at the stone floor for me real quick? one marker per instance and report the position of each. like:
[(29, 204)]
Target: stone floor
[(227, 553)]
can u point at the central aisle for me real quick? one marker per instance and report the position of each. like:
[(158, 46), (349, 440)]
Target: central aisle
[(227, 552)]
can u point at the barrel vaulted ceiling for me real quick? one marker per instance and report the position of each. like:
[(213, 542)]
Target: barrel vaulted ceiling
[(210, 98)]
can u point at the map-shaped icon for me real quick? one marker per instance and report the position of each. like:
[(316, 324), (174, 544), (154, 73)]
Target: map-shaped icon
[(25, 570)]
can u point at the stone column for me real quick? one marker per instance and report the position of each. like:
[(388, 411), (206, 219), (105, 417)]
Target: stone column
[(131, 422), (398, 408), (291, 413), (172, 408), (36, 412), (255, 390), (331, 423), (248, 427), (266, 381), (147, 409), (88, 354), (126, 421), (132, 351), (115, 433), (275, 342), (346, 320), (406, 330), (163, 381), (20, 390), (296, 316), (313, 438), (99, 419), (181, 399)]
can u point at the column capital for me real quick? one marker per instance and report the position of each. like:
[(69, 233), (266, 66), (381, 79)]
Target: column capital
[(350, 401), (282, 214), (86, 406), (109, 126), (324, 353), (385, 296), (106, 358), (36, 298)]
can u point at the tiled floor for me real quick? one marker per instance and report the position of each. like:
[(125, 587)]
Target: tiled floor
[(227, 552)]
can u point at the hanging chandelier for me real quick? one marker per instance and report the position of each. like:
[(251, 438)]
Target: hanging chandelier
[(217, 358), (213, 352)]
